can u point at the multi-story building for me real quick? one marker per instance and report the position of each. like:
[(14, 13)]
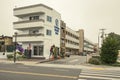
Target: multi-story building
[(75, 42), (72, 41), (39, 27), (4, 42)]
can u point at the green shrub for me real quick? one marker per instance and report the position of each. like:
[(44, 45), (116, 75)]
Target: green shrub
[(23, 56), (18, 56), (10, 56), (95, 61)]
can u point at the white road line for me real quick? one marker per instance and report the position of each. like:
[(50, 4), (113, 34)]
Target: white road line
[(104, 75), (96, 77), (82, 79)]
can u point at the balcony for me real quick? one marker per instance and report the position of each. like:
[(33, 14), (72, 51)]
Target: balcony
[(29, 37), (28, 24), (72, 38), (71, 46), (28, 10)]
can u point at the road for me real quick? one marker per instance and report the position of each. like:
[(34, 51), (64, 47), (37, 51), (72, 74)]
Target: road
[(22, 72), (35, 71)]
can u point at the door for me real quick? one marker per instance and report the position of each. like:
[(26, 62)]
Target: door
[(38, 50)]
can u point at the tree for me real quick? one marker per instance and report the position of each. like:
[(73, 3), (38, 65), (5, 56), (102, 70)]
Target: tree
[(117, 37), (109, 50)]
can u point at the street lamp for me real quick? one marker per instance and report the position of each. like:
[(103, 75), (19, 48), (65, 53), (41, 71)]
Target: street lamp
[(15, 46), (3, 37)]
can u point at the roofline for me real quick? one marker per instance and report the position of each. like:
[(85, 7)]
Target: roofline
[(36, 5)]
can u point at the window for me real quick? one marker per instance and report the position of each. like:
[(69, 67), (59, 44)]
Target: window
[(34, 18), (49, 32), (49, 19), (33, 31)]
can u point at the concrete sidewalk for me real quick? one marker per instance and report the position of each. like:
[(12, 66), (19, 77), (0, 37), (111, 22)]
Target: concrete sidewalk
[(37, 63)]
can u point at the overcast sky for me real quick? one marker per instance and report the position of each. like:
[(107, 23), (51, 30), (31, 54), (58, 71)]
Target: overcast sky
[(90, 15)]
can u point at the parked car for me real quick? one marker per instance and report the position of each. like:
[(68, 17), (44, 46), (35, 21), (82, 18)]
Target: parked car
[(67, 54)]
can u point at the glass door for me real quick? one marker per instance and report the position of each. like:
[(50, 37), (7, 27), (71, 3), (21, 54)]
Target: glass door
[(38, 50)]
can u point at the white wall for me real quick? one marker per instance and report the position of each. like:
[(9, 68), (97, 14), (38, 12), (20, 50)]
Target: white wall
[(5, 56), (48, 41)]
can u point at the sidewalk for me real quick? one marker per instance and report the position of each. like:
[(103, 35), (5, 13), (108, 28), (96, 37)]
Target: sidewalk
[(37, 63)]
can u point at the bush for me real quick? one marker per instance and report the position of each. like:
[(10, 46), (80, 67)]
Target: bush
[(10, 56), (95, 61), (18, 56)]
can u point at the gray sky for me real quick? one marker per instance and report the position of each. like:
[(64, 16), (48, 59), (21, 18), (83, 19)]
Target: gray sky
[(90, 15)]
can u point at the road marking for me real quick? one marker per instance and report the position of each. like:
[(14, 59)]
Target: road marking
[(82, 79), (73, 60), (104, 75), (97, 77), (39, 74), (98, 68)]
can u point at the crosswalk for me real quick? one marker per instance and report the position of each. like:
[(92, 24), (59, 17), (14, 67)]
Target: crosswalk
[(90, 74)]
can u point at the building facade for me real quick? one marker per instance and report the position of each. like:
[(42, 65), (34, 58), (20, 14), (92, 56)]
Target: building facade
[(75, 41), (6, 43), (39, 27)]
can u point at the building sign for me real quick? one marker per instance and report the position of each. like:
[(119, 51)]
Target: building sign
[(56, 27)]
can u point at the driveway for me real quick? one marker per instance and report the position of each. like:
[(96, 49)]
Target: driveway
[(72, 60)]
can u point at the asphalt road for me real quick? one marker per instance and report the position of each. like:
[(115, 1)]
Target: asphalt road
[(11, 71), (22, 72)]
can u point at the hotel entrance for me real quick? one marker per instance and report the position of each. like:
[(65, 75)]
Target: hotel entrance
[(38, 50)]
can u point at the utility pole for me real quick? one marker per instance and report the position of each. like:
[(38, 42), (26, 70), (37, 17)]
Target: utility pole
[(103, 33), (102, 36)]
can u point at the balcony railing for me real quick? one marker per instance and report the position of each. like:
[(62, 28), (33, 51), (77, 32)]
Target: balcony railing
[(28, 24), (28, 35), (27, 21)]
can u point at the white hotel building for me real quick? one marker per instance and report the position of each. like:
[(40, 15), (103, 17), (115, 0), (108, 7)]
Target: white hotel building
[(40, 27)]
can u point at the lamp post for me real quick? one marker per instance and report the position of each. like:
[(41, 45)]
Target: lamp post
[(15, 46), (3, 37)]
